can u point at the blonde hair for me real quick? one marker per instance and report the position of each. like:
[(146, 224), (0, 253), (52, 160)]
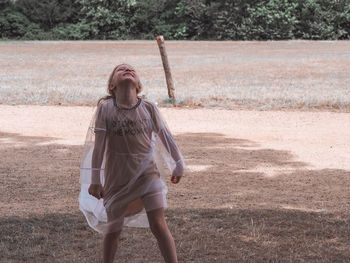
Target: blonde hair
[(109, 85)]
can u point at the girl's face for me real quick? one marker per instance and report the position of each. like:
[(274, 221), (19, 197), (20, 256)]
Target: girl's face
[(125, 73)]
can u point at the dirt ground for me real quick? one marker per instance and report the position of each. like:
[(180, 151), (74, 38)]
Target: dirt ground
[(262, 186)]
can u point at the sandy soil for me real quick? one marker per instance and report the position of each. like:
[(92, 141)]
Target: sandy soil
[(316, 138), (262, 186)]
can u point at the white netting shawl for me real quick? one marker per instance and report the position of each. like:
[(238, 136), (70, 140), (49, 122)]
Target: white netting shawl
[(129, 152)]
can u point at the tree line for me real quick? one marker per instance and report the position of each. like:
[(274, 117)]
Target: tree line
[(175, 19)]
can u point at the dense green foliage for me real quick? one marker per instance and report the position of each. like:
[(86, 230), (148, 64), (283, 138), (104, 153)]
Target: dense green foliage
[(175, 19)]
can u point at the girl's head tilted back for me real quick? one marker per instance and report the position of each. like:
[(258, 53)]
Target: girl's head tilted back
[(121, 73)]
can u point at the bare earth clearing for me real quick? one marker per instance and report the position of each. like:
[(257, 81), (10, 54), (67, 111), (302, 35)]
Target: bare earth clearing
[(263, 186)]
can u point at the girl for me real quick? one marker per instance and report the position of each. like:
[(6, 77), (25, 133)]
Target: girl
[(127, 153)]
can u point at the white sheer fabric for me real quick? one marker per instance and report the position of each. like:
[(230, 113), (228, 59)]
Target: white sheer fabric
[(131, 153)]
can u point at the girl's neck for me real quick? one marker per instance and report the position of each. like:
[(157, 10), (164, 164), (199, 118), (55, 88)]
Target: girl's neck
[(126, 97)]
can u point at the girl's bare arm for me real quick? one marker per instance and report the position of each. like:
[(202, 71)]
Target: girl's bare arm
[(168, 141), (169, 144), (97, 156)]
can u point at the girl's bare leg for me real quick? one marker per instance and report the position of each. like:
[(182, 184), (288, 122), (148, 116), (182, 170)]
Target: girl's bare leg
[(160, 230), (110, 245)]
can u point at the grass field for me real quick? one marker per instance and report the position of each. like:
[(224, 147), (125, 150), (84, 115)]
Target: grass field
[(250, 75)]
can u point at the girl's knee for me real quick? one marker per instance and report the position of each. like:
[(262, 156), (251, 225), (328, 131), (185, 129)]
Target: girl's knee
[(158, 227), (112, 235)]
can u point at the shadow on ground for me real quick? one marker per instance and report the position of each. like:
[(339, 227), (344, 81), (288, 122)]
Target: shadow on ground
[(225, 211), (201, 235)]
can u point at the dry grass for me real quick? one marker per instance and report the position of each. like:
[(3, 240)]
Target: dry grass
[(252, 75)]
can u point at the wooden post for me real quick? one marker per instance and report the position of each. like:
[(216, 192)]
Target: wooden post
[(169, 80)]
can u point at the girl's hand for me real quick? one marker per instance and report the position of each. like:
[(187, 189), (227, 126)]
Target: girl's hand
[(96, 190), (175, 179), (177, 173)]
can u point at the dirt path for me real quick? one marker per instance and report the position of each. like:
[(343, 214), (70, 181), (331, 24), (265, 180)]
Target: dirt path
[(262, 186), (320, 139)]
